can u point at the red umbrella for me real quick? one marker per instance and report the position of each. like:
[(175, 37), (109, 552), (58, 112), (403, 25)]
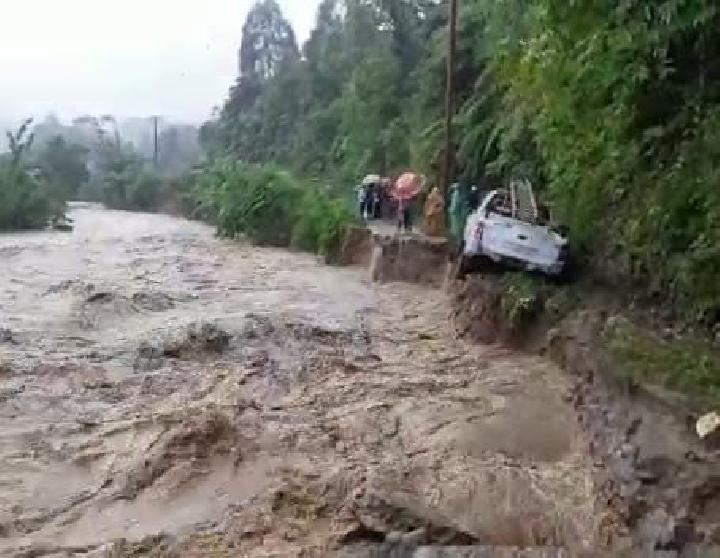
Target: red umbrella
[(407, 186)]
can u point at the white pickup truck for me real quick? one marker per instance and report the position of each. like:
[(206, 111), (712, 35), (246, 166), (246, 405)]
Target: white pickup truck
[(510, 229)]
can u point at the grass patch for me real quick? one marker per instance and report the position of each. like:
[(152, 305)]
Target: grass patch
[(320, 225), (527, 297), (522, 298), (690, 367)]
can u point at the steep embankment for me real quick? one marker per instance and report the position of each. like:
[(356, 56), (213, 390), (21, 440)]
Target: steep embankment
[(658, 482)]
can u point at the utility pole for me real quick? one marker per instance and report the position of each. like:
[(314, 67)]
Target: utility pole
[(449, 167), (155, 140)]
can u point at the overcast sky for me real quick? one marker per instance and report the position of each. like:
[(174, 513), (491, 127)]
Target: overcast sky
[(174, 58)]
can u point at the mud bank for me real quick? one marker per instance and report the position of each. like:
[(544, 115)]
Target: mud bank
[(656, 484), (412, 258), (415, 259)]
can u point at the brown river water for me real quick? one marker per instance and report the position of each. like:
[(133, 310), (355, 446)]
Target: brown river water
[(165, 392)]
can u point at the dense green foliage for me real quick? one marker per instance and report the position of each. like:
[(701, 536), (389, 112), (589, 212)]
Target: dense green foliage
[(122, 180), (270, 207), (612, 108), (64, 166), (622, 102), (338, 109), (521, 298), (27, 200)]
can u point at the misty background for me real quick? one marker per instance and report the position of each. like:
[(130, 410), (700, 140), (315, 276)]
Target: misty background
[(131, 59)]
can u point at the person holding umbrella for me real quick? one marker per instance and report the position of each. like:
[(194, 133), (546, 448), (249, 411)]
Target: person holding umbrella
[(406, 188)]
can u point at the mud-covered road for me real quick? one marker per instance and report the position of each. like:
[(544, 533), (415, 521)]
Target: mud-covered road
[(163, 391)]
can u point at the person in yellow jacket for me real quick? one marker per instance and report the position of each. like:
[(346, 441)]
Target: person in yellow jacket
[(435, 213)]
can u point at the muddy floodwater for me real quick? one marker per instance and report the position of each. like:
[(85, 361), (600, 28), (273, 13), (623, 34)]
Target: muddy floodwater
[(165, 392)]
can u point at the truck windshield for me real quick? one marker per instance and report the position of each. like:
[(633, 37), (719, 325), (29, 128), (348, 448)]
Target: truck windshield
[(500, 203)]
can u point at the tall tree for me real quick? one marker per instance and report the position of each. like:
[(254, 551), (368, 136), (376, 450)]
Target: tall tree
[(26, 202), (268, 46), (64, 166), (268, 42)]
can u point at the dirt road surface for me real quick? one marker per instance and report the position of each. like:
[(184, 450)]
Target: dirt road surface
[(164, 392)]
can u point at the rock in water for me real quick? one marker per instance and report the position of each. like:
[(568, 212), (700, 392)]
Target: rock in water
[(706, 425)]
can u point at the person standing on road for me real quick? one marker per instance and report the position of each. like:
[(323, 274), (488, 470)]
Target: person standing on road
[(434, 213), (474, 198), (361, 197), (405, 215), (406, 188), (369, 196), (376, 193), (457, 213)]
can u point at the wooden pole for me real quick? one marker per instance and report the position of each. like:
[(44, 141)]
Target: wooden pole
[(155, 141), (449, 167)]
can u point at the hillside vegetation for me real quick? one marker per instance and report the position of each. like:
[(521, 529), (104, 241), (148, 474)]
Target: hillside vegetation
[(270, 207), (611, 108), (27, 199)]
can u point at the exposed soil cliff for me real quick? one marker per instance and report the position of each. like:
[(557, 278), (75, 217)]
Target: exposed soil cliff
[(656, 484)]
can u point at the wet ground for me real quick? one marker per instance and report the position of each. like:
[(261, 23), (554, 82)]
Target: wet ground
[(163, 391)]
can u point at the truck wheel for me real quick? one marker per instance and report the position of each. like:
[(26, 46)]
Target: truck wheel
[(462, 267), (568, 274)]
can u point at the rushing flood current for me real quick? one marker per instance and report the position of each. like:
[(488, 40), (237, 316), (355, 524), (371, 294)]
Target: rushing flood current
[(164, 392)]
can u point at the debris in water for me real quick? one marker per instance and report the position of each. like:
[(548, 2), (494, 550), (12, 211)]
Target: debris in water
[(6, 335), (153, 301), (707, 424), (192, 343)]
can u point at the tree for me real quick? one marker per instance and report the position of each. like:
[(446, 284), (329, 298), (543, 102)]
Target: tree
[(345, 110), (20, 142), (268, 47), (64, 166), (370, 110), (324, 53), (268, 42), (179, 149), (26, 202)]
